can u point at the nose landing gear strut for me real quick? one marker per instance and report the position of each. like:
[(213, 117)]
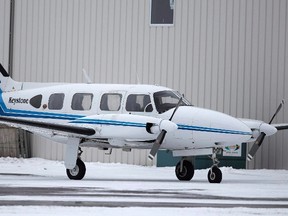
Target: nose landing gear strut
[(215, 174)]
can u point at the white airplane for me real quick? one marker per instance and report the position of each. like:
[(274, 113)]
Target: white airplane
[(108, 116)]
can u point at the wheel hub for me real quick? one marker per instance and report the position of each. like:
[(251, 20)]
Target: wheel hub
[(212, 176), (74, 171), (183, 173)]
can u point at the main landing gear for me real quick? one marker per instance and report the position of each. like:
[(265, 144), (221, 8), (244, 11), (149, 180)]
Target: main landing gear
[(78, 172), (184, 170)]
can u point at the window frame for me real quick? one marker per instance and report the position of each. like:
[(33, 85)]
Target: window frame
[(107, 102), (73, 106), (62, 102), (168, 95), (162, 24), (142, 109), (36, 101)]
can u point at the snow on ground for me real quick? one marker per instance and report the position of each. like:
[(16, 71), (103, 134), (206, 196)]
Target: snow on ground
[(28, 211), (112, 182)]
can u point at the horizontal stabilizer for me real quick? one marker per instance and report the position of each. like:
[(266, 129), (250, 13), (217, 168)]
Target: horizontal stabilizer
[(7, 84), (3, 71)]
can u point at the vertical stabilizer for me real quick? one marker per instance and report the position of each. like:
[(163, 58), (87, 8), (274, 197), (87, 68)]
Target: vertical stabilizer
[(7, 83)]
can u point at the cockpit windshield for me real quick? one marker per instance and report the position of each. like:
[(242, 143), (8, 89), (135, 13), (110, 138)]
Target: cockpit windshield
[(166, 100)]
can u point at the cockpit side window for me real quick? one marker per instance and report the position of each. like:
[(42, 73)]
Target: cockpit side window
[(138, 103), (166, 100), (110, 102)]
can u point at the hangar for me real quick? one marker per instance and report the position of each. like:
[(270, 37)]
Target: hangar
[(231, 56)]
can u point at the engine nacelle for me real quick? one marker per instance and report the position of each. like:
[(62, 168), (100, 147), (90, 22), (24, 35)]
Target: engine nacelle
[(258, 127)]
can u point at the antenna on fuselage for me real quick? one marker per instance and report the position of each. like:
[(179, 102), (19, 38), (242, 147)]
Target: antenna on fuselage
[(86, 76), (138, 80)]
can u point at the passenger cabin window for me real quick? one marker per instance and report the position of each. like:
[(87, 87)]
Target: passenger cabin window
[(138, 103), (82, 101), (56, 101), (36, 101), (166, 100), (110, 102)]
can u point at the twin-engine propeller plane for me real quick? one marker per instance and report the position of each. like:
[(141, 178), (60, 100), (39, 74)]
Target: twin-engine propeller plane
[(108, 116)]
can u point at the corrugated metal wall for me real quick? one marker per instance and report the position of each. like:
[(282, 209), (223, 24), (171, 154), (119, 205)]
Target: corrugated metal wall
[(228, 55), (4, 32)]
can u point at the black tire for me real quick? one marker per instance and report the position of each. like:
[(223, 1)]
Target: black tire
[(78, 172), (215, 175), (187, 171)]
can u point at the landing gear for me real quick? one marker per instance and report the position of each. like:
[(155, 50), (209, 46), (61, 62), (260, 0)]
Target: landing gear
[(78, 172), (214, 174), (184, 170)]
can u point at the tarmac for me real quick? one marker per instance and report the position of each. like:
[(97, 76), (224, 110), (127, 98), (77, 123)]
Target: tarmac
[(37, 190)]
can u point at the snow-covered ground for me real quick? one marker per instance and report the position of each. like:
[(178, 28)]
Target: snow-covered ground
[(136, 190)]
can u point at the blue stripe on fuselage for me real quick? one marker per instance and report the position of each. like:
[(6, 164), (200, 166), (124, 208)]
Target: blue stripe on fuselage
[(212, 130), (108, 122)]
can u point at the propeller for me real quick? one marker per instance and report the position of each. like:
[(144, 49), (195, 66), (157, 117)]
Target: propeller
[(261, 137), (161, 136)]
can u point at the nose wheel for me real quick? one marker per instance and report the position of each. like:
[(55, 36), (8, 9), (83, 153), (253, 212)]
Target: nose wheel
[(215, 174)]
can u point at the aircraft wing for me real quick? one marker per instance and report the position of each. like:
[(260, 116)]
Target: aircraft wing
[(112, 127), (69, 129)]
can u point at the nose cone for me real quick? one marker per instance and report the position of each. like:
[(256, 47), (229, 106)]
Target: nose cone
[(210, 127), (231, 129)]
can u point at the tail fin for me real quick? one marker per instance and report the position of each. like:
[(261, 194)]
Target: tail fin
[(7, 83)]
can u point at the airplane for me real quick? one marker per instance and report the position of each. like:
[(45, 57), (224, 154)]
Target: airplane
[(108, 116)]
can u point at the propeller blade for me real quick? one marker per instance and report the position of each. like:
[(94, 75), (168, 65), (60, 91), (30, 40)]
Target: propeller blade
[(278, 109), (157, 145), (256, 146), (177, 106)]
